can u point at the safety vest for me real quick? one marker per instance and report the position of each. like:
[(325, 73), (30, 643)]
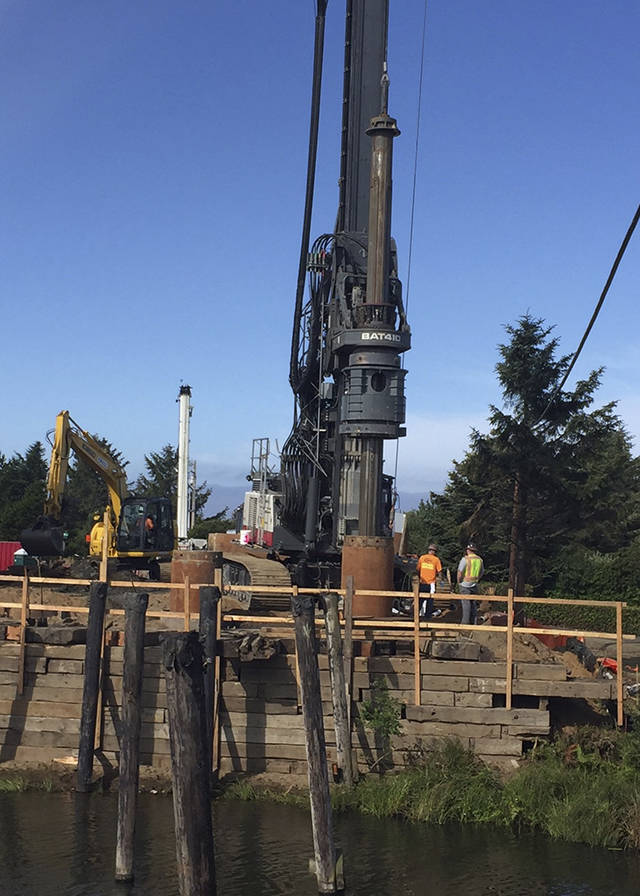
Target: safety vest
[(473, 569)]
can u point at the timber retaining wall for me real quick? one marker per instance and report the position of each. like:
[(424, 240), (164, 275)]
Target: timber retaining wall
[(260, 716)]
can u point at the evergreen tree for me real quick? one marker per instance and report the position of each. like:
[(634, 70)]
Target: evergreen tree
[(550, 474), (23, 481), (162, 479)]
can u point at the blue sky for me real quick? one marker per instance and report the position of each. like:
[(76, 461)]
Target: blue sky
[(152, 171)]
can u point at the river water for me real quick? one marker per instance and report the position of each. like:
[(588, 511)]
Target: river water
[(64, 845)]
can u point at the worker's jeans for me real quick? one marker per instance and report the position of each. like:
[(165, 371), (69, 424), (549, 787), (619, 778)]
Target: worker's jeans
[(469, 607), (426, 606)]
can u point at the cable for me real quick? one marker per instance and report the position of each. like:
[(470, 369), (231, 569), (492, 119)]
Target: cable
[(413, 196), (612, 274)]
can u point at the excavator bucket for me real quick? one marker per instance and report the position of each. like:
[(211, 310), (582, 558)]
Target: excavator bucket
[(44, 539)]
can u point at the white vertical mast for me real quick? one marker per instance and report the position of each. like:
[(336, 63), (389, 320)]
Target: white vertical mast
[(184, 397)]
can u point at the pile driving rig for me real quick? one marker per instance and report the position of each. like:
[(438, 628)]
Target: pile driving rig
[(349, 334)]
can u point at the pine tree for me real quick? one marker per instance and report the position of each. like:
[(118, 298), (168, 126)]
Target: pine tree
[(22, 490), (162, 479), (551, 473)]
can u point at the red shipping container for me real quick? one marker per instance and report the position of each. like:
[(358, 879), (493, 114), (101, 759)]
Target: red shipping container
[(7, 550)]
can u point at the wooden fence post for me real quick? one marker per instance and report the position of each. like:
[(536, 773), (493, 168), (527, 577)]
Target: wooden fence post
[(24, 615), (321, 820), (135, 606), (348, 647), (509, 670), (183, 658), (186, 604), (338, 690), (416, 640), (619, 659), (208, 629), (217, 581), (91, 684), (106, 535)]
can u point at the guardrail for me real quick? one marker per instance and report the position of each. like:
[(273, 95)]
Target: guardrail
[(416, 626)]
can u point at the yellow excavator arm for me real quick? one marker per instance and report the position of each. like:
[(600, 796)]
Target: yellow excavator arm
[(140, 529), (68, 436), (45, 537)]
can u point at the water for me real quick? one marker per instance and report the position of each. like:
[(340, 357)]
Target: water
[(64, 845)]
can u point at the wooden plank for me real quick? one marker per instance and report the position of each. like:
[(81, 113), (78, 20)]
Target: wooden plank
[(477, 700), (248, 705), (586, 688), (23, 706), (428, 698), (40, 723), (499, 746), (263, 720), (462, 667), (436, 683), (446, 729), (541, 671), (488, 716)]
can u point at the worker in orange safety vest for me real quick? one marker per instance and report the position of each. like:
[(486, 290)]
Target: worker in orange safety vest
[(429, 567)]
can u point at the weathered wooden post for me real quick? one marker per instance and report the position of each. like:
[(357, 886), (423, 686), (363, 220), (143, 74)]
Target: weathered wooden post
[(135, 606), (208, 627), (95, 626), (348, 642), (183, 660), (338, 689), (321, 821)]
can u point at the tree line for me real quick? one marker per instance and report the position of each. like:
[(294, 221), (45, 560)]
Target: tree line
[(23, 481), (551, 493)]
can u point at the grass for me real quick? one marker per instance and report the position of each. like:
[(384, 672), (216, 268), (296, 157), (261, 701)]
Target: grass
[(20, 784)]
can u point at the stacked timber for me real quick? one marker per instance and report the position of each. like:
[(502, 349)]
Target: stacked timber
[(261, 725)]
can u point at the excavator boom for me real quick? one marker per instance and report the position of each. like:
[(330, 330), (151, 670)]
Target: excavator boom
[(45, 537)]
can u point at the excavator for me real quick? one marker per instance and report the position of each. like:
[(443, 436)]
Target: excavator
[(350, 333), (140, 530)]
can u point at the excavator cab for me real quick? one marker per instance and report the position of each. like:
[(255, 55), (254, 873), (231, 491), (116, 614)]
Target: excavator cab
[(145, 526)]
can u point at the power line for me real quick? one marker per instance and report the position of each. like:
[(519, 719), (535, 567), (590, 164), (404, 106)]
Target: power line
[(413, 191), (612, 274)]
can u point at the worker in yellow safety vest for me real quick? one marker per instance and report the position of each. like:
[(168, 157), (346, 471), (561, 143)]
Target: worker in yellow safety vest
[(470, 570)]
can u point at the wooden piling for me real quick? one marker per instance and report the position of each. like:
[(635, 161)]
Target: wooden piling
[(208, 628), (135, 606), (321, 820), (91, 685), (338, 689), (183, 660)]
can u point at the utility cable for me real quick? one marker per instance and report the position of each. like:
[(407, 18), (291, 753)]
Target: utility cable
[(413, 193), (612, 274)]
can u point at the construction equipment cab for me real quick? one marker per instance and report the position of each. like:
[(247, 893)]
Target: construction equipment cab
[(139, 530)]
